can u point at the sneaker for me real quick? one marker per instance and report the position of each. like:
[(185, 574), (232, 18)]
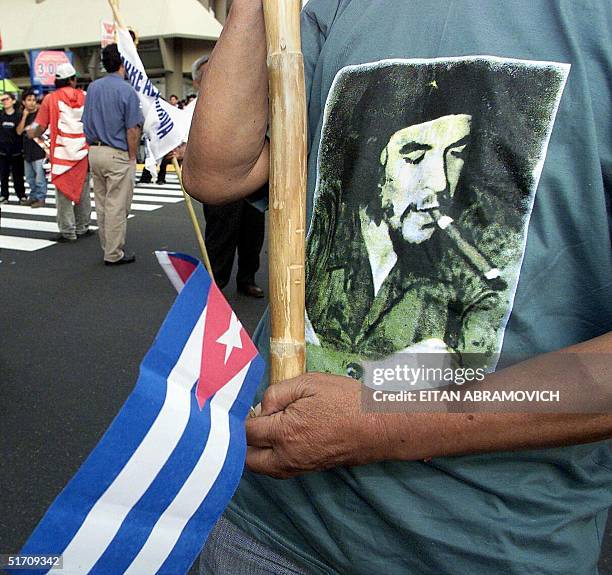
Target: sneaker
[(86, 233), (23, 201), (37, 203), (4, 200)]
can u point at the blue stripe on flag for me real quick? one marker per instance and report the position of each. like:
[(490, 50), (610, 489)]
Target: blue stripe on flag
[(68, 511), (142, 518), (199, 526)]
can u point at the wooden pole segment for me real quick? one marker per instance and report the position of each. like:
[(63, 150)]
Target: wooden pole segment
[(287, 188), (114, 4)]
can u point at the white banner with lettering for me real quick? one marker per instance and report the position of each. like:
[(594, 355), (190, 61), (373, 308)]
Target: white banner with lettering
[(166, 127)]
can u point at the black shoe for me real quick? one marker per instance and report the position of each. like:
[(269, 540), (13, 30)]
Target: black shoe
[(251, 290), (89, 232), (126, 259), (145, 181), (160, 182), (63, 239)]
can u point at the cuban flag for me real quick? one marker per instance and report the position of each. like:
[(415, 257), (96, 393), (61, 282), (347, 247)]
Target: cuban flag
[(147, 497), (178, 267)]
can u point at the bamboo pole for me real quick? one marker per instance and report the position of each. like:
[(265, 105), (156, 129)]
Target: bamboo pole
[(194, 219), (287, 188)]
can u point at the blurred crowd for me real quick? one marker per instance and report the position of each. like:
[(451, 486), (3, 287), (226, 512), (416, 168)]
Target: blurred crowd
[(82, 140)]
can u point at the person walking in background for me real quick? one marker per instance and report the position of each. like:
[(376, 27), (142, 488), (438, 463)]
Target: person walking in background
[(34, 153), (61, 112), (11, 155), (112, 122)]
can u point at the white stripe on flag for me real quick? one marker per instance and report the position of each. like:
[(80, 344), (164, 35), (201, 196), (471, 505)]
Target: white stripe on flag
[(58, 169), (107, 515), (173, 520), (166, 264), (70, 119)]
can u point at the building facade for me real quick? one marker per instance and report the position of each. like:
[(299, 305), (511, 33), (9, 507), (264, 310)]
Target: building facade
[(172, 34)]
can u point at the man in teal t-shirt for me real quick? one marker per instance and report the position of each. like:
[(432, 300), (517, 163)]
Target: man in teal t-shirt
[(459, 200)]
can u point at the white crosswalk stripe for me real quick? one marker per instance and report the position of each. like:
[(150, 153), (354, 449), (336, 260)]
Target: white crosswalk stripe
[(41, 221), (38, 212), (23, 244), (33, 225)]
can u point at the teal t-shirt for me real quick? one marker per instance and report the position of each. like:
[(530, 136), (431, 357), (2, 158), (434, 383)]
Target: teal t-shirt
[(498, 115)]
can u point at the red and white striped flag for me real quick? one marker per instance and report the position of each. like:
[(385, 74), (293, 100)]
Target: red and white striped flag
[(62, 111)]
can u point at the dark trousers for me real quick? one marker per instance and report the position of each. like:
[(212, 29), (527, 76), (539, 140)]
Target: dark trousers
[(146, 178), (12, 164), (236, 226), (161, 173)]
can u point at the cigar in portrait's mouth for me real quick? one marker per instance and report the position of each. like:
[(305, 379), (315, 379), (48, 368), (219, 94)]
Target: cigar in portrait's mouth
[(489, 272)]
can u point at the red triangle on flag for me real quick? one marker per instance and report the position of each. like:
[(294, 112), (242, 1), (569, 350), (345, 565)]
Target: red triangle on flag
[(226, 347)]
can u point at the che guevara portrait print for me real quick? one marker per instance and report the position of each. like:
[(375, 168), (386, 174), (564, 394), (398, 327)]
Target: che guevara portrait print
[(427, 174)]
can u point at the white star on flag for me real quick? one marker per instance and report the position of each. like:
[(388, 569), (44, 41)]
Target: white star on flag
[(231, 338)]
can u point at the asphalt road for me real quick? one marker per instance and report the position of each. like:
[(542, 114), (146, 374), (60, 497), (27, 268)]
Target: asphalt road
[(72, 335)]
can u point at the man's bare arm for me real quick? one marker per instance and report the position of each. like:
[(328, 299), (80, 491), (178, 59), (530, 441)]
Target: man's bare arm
[(21, 126), (317, 421), (133, 138), (227, 155)]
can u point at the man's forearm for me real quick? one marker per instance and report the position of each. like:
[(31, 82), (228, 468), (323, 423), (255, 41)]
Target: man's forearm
[(421, 435), (133, 139), (318, 421), (21, 126), (227, 154)]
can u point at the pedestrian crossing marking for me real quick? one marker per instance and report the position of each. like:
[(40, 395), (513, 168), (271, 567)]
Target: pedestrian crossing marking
[(31, 225), (23, 244), (135, 207), (38, 212), (146, 198)]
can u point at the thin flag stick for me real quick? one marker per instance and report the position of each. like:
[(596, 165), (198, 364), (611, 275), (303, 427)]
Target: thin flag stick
[(114, 4), (287, 188), (194, 219)]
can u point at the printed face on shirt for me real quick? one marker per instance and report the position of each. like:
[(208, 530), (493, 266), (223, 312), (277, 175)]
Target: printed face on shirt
[(422, 165)]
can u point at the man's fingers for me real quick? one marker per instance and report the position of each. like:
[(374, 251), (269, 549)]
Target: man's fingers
[(260, 431), (282, 394), (262, 461)]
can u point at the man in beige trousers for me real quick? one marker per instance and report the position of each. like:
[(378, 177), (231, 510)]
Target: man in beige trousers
[(112, 121)]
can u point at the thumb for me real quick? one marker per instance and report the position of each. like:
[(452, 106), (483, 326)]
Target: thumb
[(280, 395)]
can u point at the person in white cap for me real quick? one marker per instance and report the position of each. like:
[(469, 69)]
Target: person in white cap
[(61, 112)]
